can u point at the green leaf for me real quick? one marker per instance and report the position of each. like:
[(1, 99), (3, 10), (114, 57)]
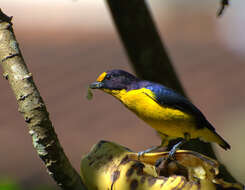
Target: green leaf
[(89, 94)]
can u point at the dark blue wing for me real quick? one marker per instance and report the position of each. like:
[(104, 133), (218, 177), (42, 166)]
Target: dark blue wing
[(169, 98)]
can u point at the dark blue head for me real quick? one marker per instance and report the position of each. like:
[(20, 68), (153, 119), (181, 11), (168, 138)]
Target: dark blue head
[(114, 80)]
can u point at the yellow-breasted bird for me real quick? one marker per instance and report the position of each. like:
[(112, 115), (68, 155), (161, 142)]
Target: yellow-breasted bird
[(169, 113)]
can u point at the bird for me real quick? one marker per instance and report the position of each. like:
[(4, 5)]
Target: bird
[(172, 115)]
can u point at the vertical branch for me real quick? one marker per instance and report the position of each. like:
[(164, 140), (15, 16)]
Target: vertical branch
[(148, 55), (33, 109), (142, 42)]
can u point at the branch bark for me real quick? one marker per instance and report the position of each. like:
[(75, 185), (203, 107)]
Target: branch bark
[(148, 56), (33, 109)]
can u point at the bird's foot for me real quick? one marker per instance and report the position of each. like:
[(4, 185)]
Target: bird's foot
[(141, 153), (171, 154)]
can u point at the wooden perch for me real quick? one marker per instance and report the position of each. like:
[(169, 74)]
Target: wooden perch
[(33, 109)]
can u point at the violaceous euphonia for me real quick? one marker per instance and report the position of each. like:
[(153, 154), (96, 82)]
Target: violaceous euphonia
[(169, 113)]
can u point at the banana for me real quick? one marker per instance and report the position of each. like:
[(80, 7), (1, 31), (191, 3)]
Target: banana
[(109, 166)]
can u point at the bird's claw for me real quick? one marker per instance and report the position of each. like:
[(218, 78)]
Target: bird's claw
[(171, 154), (141, 154)]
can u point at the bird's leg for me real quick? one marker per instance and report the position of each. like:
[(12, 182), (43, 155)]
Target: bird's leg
[(141, 153), (170, 154), (179, 144), (173, 150)]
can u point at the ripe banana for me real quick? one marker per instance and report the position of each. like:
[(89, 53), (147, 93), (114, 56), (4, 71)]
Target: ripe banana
[(110, 166)]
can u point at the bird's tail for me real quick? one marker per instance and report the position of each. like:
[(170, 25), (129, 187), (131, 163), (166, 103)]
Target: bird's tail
[(212, 136), (222, 142)]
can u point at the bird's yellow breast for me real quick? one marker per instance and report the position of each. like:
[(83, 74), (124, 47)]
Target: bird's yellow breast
[(172, 122)]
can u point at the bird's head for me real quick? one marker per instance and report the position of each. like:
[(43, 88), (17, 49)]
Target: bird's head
[(114, 81)]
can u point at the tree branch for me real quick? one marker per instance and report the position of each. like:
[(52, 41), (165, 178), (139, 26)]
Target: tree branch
[(33, 109), (148, 56), (142, 42)]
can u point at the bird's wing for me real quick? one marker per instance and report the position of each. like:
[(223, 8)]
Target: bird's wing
[(168, 98)]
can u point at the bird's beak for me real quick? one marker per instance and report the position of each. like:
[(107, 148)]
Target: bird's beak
[(96, 85)]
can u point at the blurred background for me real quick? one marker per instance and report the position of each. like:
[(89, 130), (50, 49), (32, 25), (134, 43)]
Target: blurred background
[(67, 43)]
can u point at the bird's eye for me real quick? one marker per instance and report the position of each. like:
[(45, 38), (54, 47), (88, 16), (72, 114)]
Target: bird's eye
[(108, 77)]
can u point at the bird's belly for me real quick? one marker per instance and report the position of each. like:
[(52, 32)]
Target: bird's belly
[(166, 120)]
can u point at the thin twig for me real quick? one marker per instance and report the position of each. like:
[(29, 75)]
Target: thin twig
[(33, 109), (223, 5)]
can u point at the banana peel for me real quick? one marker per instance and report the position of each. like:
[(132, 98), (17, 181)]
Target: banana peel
[(109, 166)]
